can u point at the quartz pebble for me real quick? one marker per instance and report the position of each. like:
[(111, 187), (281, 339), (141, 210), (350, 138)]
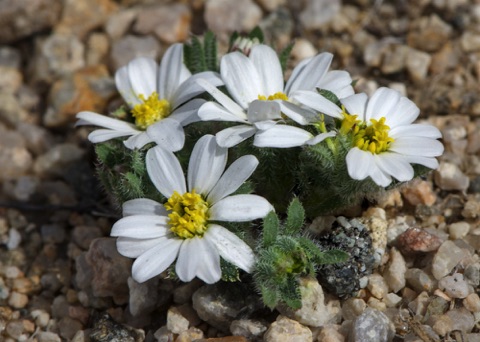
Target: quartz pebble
[(472, 302), (448, 176), (458, 230), (288, 330), (394, 273), (447, 257), (372, 325), (454, 286), (314, 312), (419, 280), (251, 329)]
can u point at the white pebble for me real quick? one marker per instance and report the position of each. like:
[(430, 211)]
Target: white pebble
[(454, 286)]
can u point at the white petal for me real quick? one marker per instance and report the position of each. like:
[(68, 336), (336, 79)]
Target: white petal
[(122, 81), (241, 78), (206, 265), (236, 174), (298, 114), (263, 110), (233, 136), (321, 137), (106, 122), (297, 71), (190, 88), (264, 125), (338, 82), (417, 146), (231, 247), (137, 141), (142, 72), (206, 165), (167, 133), (133, 248), (359, 163), (395, 165), (379, 177), (282, 136), (317, 102), (356, 105), (431, 163), (415, 130), (188, 259), (404, 113), (165, 171), (240, 208), (268, 66), (223, 99), (143, 206), (155, 260), (170, 72), (212, 111), (101, 135), (311, 73), (381, 103), (188, 113), (141, 227)]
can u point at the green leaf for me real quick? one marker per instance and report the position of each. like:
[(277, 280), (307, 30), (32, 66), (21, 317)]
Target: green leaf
[(270, 229), (313, 251), (134, 185), (329, 96), (269, 296), (290, 293), (210, 49), (103, 152), (285, 55), (257, 33), (194, 56), (295, 217)]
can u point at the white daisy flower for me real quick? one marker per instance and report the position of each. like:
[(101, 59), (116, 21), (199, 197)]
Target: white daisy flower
[(157, 96), (186, 227), (260, 97), (386, 142)]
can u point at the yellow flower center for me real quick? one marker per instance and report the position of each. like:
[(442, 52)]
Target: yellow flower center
[(189, 214), (276, 96), (150, 111), (373, 138), (349, 122)]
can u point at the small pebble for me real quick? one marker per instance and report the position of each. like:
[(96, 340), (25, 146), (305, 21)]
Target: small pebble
[(18, 300), (377, 286), (458, 230), (418, 240), (472, 302), (288, 330), (447, 257), (394, 273), (454, 286), (373, 325)]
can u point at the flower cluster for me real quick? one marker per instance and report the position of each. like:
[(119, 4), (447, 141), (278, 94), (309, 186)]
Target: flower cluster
[(312, 138)]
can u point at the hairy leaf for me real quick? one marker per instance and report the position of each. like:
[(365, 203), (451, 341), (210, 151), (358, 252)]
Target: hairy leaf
[(270, 229), (295, 217)]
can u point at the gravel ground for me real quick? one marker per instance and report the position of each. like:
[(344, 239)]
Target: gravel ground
[(61, 278)]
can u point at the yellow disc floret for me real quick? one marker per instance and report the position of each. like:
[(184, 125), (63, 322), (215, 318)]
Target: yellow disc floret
[(150, 111), (276, 96), (349, 122), (373, 138), (189, 214)]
